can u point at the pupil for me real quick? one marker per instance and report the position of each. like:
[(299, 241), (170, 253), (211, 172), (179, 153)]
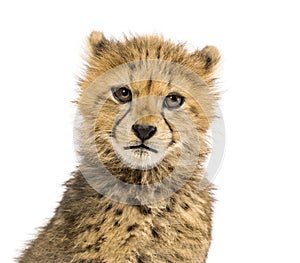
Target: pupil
[(124, 92)]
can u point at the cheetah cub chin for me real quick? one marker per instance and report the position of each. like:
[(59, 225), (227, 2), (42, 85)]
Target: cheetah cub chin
[(139, 193)]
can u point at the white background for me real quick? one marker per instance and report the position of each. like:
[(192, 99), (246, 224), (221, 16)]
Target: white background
[(257, 214)]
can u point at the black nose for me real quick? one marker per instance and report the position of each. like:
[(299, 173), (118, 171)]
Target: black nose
[(143, 132)]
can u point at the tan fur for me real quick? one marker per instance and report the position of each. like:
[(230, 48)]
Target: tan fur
[(90, 227)]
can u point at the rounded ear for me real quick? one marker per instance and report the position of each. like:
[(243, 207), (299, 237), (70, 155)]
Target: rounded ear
[(97, 42), (209, 57)]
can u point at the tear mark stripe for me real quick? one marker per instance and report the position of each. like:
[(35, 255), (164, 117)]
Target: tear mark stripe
[(118, 122)]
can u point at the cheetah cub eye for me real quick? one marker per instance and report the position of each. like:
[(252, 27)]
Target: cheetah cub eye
[(173, 101), (122, 95)]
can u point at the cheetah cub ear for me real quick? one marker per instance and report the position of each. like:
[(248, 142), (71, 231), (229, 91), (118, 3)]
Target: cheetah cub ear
[(97, 42), (209, 58)]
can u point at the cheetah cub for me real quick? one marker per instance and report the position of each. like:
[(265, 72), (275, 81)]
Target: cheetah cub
[(140, 193)]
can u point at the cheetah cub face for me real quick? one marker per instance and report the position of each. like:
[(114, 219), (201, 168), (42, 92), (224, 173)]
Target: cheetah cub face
[(143, 132)]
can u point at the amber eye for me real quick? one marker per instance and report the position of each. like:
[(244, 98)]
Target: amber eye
[(173, 101), (122, 94)]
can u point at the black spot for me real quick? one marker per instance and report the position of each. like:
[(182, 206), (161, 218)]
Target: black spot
[(70, 219), (108, 207), (154, 231), (117, 223), (131, 65), (103, 220), (119, 212), (170, 170), (179, 231), (169, 208), (97, 228), (89, 247), (158, 51), (138, 177), (140, 259), (171, 205), (147, 53), (185, 206), (172, 201), (100, 240), (100, 47), (208, 62), (144, 210), (194, 109), (149, 84), (100, 196), (89, 227), (132, 227)]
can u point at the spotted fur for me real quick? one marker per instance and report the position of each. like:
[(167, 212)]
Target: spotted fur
[(90, 227)]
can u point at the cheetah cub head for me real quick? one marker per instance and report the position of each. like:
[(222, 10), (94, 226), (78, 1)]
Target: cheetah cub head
[(145, 105)]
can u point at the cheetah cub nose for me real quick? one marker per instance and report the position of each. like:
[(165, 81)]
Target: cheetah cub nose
[(143, 132)]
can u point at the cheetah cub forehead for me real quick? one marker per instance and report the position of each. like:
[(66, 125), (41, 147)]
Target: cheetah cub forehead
[(146, 103)]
